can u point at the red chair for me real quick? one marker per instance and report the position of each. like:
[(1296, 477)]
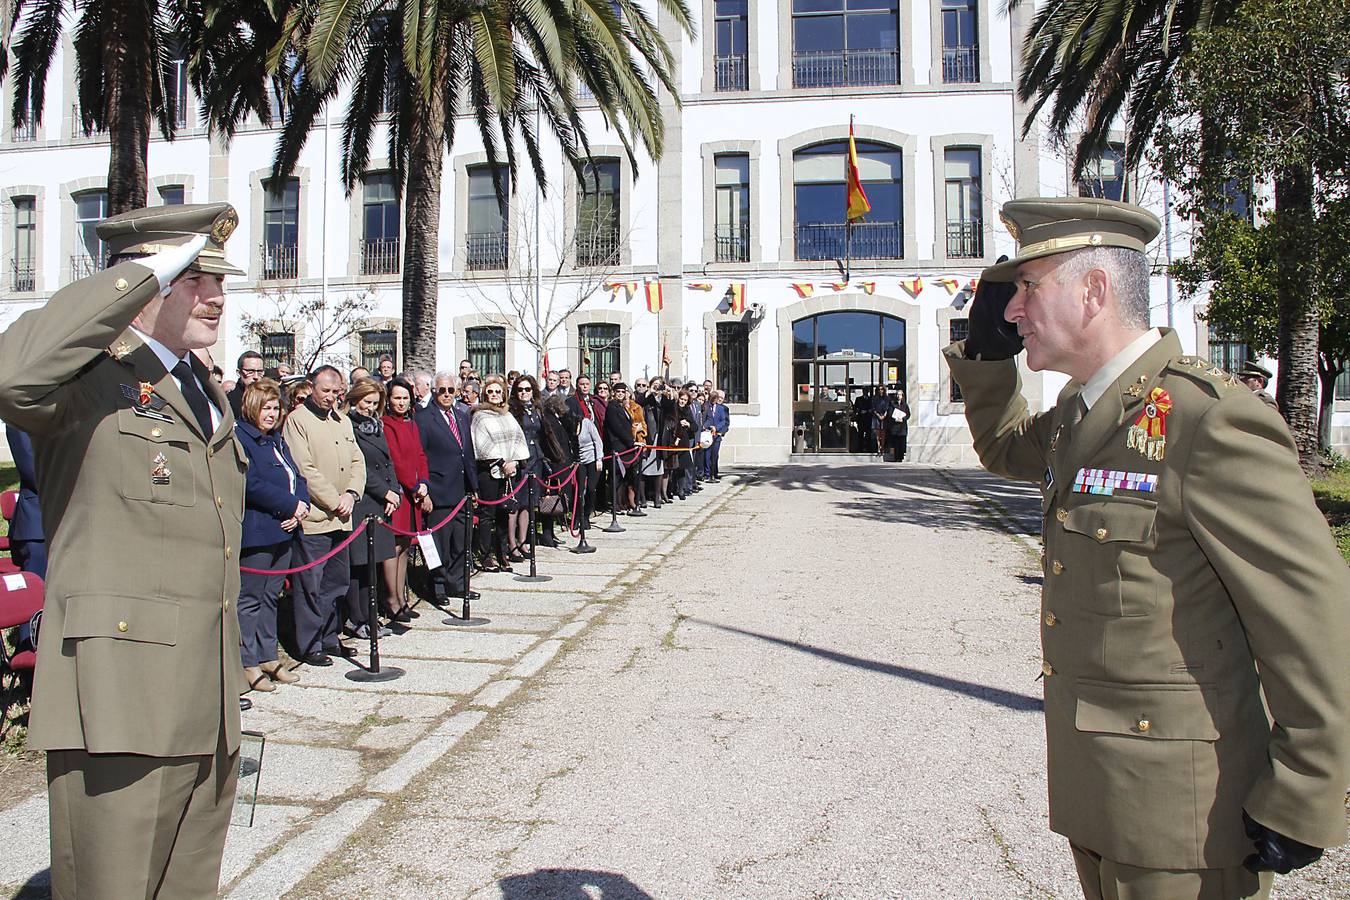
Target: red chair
[(9, 500), (20, 602), (8, 566)]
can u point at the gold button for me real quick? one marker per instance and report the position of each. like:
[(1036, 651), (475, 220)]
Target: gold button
[(220, 504), (120, 284), (226, 604), (122, 627), (1047, 670), (156, 432), (1062, 514), (1144, 724), (227, 552), (1050, 619), (1057, 567), (1101, 534)]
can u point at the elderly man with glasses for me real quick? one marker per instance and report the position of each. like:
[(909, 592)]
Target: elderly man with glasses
[(448, 444)]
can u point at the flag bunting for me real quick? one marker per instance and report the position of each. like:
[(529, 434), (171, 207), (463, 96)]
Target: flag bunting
[(654, 301), (737, 292)]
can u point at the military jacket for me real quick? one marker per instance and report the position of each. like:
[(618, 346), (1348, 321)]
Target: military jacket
[(139, 646), (1188, 573)]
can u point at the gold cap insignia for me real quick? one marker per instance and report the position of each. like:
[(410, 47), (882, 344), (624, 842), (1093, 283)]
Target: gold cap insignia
[(1011, 226), (225, 226)]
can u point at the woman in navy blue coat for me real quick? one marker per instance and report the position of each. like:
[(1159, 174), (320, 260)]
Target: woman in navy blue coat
[(275, 502)]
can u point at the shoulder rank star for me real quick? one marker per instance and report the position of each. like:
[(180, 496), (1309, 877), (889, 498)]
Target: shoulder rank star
[(1148, 434)]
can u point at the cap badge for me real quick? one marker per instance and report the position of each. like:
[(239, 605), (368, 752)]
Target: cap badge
[(224, 226), (1011, 226), (160, 473), (1148, 434)]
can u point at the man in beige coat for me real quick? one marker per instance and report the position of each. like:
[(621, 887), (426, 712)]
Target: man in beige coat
[(142, 489), (329, 458), (1188, 575)]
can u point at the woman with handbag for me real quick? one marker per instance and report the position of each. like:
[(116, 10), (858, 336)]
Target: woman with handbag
[(500, 451)]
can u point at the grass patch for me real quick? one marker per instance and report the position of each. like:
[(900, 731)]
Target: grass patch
[(1332, 491), (9, 481)]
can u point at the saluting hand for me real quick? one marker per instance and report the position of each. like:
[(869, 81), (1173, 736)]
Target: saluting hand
[(992, 336)]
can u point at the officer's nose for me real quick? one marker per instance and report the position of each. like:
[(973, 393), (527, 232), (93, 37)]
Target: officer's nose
[(1016, 308)]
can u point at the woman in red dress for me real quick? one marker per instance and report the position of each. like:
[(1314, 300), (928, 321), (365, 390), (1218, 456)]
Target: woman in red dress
[(410, 467)]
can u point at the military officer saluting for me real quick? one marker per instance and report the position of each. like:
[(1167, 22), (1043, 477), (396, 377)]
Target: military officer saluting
[(1188, 575), (142, 485), (1256, 377)]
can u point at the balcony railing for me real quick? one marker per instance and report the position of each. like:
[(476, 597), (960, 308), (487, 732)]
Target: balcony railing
[(380, 257), (732, 73), (871, 240), (733, 243), (598, 249), (485, 250), (965, 240), (279, 261), (842, 68), (23, 277), (82, 265), (77, 124), (23, 133), (961, 65)]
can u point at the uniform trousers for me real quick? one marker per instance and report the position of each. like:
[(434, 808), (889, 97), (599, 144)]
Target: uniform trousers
[(257, 607), (1104, 879), (319, 591), (451, 544), (125, 825)]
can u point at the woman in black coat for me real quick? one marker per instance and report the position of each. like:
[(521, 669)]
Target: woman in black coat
[(686, 435), (558, 441), (383, 494), (899, 427)]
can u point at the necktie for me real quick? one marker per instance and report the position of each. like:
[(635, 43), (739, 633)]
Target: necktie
[(192, 393), (454, 426)]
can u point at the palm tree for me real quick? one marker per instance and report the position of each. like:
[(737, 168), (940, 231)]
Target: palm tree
[(431, 63), (125, 51)]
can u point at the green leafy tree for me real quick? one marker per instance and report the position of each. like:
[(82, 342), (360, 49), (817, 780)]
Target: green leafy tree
[(1261, 100), (431, 64)]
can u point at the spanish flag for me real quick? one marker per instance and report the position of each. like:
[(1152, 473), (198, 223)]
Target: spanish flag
[(804, 289), (913, 286), (869, 287), (839, 285), (950, 283), (699, 285), (737, 291), (858, 204), (654, 301)]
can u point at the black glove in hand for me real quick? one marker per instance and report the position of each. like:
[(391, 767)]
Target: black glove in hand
[(991, 336), (1275, 852)]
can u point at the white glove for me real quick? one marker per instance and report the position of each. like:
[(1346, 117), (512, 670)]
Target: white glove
[(169, 264)]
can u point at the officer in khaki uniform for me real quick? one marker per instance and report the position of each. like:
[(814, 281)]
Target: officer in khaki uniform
[(142, 490), (1256, 377), (1188, 575)]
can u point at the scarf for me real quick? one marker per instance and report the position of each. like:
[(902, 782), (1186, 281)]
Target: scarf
[(366, 425)]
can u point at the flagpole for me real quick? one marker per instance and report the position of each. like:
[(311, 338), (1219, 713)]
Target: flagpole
[(848, 221)]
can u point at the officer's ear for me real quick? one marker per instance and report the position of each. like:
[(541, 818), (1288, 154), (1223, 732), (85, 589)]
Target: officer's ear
[(1096, 290)]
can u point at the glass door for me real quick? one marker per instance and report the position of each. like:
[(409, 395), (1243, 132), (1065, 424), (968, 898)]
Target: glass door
[(840, 362)]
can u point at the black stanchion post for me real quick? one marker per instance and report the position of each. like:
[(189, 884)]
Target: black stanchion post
[(374, 672), (581, 493), (467, 619), (534, 573), (613, 527)]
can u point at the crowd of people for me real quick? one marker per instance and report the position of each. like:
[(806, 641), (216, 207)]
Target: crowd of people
[(329, 451)]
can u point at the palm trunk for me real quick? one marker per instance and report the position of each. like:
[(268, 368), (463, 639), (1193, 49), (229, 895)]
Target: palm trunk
[(1297, 391), (422, 223), (1328, 370), (128, 67)]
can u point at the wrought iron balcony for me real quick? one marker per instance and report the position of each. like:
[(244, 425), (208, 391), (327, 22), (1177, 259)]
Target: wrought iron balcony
[(77, 123), (871, 240), (600, 249), (380, 257), (23, 133), (965, 240), (961, 65), (23, 277), (82, 265), (843, 68), (279, 261), (732, 72), (486, 250), (733, 243)]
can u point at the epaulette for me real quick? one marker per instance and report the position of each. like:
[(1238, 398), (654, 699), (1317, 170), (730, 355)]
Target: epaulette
[(1202, 371)]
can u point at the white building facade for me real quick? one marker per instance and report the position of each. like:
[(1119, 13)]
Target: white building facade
[(748, 200)]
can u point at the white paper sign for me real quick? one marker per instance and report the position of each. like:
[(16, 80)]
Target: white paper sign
[(14, 582), (427, 542)]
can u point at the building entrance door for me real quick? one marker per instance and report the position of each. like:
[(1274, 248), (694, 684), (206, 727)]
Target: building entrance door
[(840, 361)]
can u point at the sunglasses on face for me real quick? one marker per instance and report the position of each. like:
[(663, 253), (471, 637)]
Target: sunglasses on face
[(524, 390), (445, 390)]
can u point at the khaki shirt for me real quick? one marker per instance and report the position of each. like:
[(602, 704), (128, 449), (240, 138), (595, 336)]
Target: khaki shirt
[(1204, 579), (139, 646)]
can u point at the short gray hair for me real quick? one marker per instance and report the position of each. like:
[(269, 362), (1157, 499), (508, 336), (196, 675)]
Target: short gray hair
[(1128, 271), (447, 376)]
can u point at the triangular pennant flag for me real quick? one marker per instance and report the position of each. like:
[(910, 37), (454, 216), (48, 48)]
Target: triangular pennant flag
[(950, 283), (839, 285), (699, 285), (737, 292), (631, 288), (665, 353), (913, 286), (804, 289), (869, 287), (546, 369), (973, 284), (613, 288), (654, 301)]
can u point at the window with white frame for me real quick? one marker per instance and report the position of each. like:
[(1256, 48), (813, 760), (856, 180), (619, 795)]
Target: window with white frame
[(24, 270)]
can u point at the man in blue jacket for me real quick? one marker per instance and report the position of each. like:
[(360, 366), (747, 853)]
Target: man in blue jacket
[(718, 420), (28, 545), (453, 477)]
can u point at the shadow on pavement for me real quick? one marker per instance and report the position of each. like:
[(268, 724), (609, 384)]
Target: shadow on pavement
[(570, 884), (996, 696), (38, 887)]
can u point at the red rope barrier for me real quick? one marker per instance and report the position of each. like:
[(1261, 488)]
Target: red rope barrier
[(498, 502), (322, 559), (401, 533)]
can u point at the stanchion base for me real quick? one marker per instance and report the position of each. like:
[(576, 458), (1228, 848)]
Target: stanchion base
[(613, 528), (582, 548), (534, 578), (386, 673), (465, 623)]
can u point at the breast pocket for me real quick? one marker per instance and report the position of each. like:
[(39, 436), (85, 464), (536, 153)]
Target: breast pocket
[(1115, 539), (156, 460)]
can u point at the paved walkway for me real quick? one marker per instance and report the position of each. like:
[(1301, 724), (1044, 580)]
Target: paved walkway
[(812, 682)]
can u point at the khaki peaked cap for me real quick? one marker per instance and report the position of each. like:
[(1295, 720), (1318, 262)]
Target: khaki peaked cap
[(152, 229), (1253, 369), (1044, 226)]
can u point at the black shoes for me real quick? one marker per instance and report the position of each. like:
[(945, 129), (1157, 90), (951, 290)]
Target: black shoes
[(245, 704), (316, 659), (340, 650)]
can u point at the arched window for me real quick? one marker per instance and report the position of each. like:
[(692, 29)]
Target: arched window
[(820, 201)]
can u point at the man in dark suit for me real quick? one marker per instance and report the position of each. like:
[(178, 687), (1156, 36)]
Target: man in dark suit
[(250, 369), (619, 436), (448, 444), (27, 544)]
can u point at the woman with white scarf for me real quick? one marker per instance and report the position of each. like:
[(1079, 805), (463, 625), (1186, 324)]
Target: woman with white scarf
[(500, 449)]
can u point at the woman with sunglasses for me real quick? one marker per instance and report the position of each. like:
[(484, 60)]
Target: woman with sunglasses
[(600, 403), (524, 404), (499, 450)]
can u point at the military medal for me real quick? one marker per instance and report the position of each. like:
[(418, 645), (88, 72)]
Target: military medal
[(1148, 434), (147, 391), (160, 474), (1108, 481)]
